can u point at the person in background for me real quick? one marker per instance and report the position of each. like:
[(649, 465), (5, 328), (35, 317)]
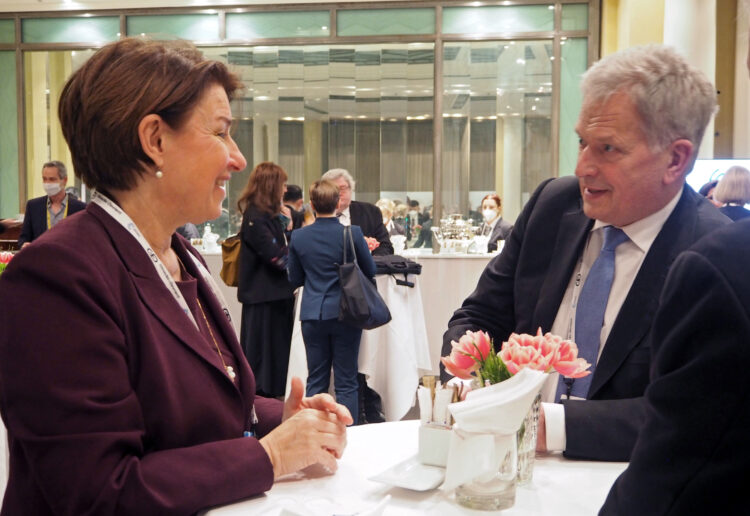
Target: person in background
[(733, 193), (368, 217), (708, 190), (494, 225), (189, 230), (264, 290), (294, 201), (122, 383), (386, 208), (43, 213), (425, 230), (314, 253), (643, 116), (692, 454)]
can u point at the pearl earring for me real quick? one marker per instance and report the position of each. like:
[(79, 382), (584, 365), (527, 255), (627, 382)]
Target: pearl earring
[(159, 174)]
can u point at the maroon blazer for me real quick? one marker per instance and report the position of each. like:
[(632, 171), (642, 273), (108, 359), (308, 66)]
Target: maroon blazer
[(113, 401)]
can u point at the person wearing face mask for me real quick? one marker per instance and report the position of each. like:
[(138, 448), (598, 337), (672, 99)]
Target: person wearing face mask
[(494, 225), (43, 213)]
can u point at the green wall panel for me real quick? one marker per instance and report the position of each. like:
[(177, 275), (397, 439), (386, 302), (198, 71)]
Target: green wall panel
[(195, 27), (575, 17), (7, 31), (8, 136), (378, 22), (498, 19), (573, 64), (97, 29), (278, 25)]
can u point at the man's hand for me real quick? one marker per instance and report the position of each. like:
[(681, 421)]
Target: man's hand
[(541, 432)]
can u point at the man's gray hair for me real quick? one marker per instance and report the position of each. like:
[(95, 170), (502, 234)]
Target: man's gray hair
[(61, 170), (674, 99), (335, 173)]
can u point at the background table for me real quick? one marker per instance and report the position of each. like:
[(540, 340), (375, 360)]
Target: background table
[(560, 487)]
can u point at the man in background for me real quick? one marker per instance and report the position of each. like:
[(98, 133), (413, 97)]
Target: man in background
[(620, 222), (43, 213), (294, 200)]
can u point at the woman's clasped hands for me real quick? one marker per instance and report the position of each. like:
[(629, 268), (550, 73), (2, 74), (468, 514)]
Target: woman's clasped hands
[(313, 431)]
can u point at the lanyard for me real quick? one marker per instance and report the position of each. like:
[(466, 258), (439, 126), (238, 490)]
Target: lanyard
[(125, 221), (49, 220)]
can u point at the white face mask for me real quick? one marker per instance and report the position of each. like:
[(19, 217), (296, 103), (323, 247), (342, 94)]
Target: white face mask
[(386, 221), (489, 214), (52, 188)]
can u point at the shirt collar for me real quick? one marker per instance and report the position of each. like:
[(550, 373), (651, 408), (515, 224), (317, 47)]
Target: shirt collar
[(62, 203), (643, 232)]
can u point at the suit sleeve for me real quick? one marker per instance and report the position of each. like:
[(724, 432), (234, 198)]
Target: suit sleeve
[(27, 233), (379, 232), (81, 429), (258, 233), (491, 306), (296, 272), (364, 258), (696, 424)]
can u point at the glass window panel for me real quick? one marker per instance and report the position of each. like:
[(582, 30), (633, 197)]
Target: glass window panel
[(498, 19), (496, 123), (7, 31), (8, 139), (575, 17), (369, 22), (278, 24), (573, 64), (196, 27), (96, 29), (366, 108), (45, 74)]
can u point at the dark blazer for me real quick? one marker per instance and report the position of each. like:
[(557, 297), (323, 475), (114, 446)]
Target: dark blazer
[(735, 212), (35, 218), (522, 288), (263, 256), (368, 217), (114, 402), (314, 253), (397, 229), (500, 232), (693, 454)]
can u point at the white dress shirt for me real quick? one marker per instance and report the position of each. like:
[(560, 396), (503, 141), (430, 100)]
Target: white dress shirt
[(628, 259), (345, 217)]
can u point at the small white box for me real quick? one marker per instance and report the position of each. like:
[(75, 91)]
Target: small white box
[(434, 441)]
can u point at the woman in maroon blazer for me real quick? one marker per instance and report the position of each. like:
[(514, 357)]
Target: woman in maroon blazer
[(122, 384)]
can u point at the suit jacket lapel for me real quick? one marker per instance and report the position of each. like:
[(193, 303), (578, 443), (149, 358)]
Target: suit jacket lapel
[(571, 237), (637, 312), (152, 290)]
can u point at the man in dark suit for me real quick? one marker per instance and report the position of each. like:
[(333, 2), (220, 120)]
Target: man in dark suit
[(43, 213), (294, 200), (642, 120), (368, 217), (363, 214)]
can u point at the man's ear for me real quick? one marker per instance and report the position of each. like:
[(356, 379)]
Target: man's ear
[(151, 133), (679, 154)]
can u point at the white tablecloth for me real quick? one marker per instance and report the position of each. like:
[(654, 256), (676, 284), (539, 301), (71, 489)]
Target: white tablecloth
[(393, 356), (559, 487)]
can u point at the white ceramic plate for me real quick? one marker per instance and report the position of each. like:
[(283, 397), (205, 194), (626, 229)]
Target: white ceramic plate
[(411, 474)]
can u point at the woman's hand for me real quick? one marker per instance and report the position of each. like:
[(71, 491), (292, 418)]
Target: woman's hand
[(313, 430), (297, 401), (288, 213)]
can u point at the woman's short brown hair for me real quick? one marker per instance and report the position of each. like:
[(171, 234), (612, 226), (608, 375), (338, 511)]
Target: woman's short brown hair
[(105, 100), (264, 188), (324, 196)]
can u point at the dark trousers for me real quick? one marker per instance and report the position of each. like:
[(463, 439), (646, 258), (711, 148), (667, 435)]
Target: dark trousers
[(329, 344)]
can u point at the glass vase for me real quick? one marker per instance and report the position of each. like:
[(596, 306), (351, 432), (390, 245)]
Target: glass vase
[(495, 491), (527, 442)]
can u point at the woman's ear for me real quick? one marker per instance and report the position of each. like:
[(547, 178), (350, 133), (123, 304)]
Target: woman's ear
[(151, 134)]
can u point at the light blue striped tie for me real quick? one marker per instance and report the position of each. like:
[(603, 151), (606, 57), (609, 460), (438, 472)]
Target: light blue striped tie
[(590, 311)]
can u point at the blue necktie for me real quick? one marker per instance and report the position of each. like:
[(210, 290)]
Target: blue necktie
[(590, 311)]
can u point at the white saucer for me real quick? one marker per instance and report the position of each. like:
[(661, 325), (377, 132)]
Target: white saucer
[(411, 474)]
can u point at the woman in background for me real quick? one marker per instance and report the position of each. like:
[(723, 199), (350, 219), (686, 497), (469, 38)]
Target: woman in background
[(733, 193), (494, 225), (122, 383), (314, 253), (264, 290)]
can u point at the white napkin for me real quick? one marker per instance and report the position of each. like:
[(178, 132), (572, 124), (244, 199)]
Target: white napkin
[(486, 424)]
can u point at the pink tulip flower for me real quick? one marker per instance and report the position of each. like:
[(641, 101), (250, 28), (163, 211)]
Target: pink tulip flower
[(568, 364)]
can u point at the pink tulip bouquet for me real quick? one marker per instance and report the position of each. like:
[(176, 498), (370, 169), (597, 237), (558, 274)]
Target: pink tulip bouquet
[(5, 258), (473, 356)]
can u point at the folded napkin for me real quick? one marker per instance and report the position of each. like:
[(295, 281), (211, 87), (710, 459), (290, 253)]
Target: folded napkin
[(486, 426)]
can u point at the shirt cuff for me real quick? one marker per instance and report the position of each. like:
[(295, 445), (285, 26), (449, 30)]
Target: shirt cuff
[(554, 416)]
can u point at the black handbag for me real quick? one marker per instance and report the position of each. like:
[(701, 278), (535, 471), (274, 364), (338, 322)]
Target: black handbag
[(395, 264), (361, 306)]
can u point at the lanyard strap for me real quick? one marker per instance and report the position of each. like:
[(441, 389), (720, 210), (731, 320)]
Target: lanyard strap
[(114, 211), (49, 219)]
